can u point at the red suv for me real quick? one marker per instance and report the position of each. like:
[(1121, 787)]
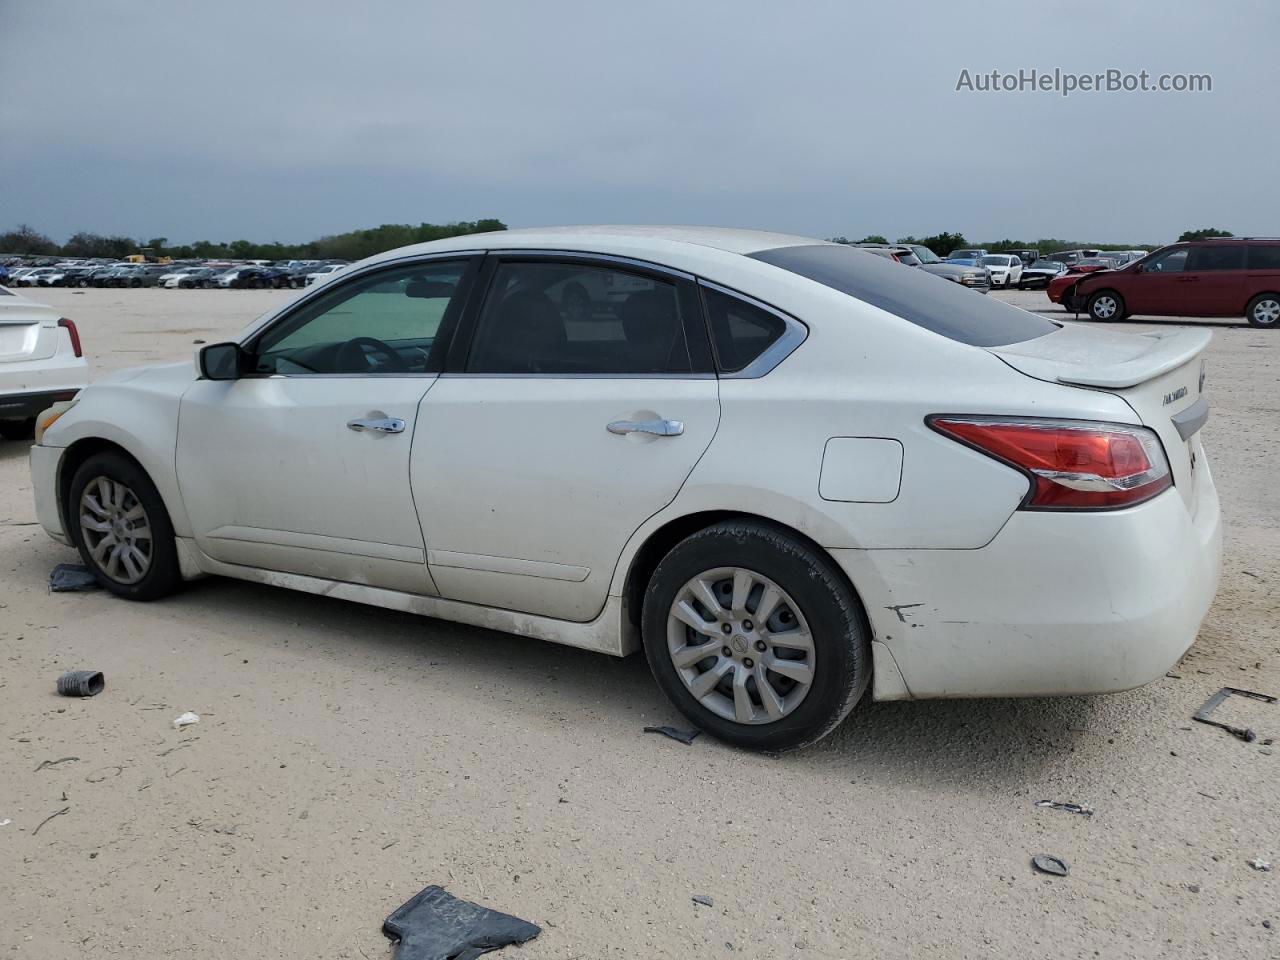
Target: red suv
[(1208, 278)]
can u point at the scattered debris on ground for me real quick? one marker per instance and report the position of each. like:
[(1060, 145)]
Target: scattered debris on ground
[(64, 810), (436, 925), (54, 763), (1067, 807), (1243, 733), (70, 577), (684, 736), (1263, 866), (1047, 863), (81, 683), (186, 720), (703, 899)]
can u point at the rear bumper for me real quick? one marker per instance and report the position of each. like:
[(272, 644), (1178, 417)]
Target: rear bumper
[(1056, 604), (44, 484), (24, 406)]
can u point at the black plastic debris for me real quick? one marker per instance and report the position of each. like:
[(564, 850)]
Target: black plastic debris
[(81, 683), (703, 899), (1066, 807), (1046, 863), (68, 577), (436, 925), (684, 736), (1243, 733)]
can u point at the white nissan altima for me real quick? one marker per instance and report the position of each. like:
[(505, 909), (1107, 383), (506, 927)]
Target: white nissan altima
[(792, 472)]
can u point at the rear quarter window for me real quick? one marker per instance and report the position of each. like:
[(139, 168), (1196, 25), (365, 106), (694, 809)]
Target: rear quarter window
[(1264, 257), (939, 305)]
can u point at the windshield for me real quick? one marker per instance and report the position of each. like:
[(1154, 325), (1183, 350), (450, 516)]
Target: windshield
[(996, 261), (1043, 264), (926, 255), (916, 296)]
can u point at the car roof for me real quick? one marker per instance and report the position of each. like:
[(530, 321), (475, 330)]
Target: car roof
[(638, 240)]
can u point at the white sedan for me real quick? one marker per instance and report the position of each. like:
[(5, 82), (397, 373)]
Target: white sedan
[(1006, 270), (41, 362), (792, 472)]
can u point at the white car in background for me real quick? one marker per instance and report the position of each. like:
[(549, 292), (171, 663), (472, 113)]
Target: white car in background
[(1006, 270), (324, 272), (792, 472), (41, 362)]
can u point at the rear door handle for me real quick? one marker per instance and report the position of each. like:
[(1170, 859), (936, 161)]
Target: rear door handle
[(385, 425), (659, 428)]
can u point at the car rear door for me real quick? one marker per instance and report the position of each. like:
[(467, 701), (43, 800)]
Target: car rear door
[(576, 402), (1214, 280)]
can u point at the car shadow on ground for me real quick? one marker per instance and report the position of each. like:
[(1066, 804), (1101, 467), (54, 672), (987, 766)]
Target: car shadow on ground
[(11, 450), (960, 741)]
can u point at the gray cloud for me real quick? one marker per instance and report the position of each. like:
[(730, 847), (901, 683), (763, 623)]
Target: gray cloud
[(287, 120)]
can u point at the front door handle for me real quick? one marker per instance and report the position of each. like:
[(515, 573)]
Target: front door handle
[(385, 425), (659, 428)]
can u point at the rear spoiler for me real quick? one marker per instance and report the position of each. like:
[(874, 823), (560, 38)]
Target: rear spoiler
[(1087, 357), (1168, 352)]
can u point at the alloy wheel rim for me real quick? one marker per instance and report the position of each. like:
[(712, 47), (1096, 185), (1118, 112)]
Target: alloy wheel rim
[(116, 530), (1104, 307), (1268, 312), (741, 645)]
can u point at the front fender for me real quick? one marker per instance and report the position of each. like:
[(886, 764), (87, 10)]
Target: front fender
[(141, 419)]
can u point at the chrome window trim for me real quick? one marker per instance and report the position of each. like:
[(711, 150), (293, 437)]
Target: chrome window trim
[(323, 287), (578, 376), (539, 253), (794, 334)]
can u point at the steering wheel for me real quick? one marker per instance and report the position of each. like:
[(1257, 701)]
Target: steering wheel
[(353, 358)]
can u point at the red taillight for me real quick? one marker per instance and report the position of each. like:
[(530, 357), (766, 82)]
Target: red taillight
[(1072, 464), (73, 333)]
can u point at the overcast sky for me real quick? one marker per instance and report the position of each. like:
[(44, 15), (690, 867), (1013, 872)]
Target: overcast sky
[(285, 121)]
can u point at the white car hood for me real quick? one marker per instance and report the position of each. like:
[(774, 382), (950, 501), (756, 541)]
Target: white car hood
[(168, 377)]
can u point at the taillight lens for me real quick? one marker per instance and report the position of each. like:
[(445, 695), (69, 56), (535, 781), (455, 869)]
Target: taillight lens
[(1072, 464), (73, 333)]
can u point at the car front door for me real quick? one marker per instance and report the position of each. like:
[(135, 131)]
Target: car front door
[(574, 407), (1155, 286), (302, 463)]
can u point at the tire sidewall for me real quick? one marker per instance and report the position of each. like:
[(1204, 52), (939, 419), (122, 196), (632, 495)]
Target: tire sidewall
[(1253, 304), (842, 657), (163, 576), (1095, 297)]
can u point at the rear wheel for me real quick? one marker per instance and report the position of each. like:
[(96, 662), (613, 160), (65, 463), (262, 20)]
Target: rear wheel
[(1105, 305), (122, 529), (1264, 310), (755, 636)]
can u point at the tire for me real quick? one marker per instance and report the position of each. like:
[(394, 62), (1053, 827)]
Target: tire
[(1264, 311), (135, 283), (18, 429), (811, 597), (100, 477), (1105, 306)]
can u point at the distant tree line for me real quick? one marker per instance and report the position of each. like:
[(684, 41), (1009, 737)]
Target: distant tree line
[(355, 245)]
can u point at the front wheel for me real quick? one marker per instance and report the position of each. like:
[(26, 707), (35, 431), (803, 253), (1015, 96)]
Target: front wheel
[(1264, 310), (122, 529), (1105, 305), (755, 636)]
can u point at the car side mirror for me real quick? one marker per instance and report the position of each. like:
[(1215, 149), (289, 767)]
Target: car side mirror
[(221, 361)]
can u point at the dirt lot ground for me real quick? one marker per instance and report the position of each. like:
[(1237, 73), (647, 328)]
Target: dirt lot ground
[(348, 756)]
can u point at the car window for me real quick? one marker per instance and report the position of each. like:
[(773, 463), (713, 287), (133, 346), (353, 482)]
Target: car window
[(1264, 256), (382, 323), (741, 331), (1217, 256), (565, 318), (918, 297), (1175, 261)]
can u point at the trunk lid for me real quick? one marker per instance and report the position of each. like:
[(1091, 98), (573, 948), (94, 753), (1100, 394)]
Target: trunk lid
[(28, 331), (1160, 375)]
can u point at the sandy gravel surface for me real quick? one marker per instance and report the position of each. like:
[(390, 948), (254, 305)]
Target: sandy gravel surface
[(348, 756)]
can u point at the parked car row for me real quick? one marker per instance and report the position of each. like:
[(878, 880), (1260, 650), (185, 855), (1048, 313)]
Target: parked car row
[(190, 275), (1226, 277)]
